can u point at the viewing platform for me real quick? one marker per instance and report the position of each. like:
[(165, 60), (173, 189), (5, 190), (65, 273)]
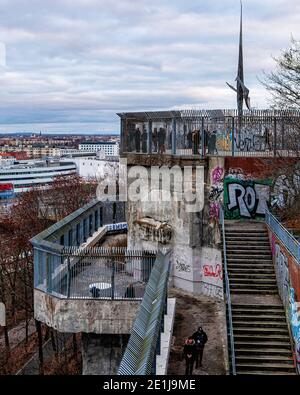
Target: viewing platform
[(79, 287), (191, 134)]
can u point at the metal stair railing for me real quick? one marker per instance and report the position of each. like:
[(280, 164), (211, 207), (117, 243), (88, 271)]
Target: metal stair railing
[(227, 295)]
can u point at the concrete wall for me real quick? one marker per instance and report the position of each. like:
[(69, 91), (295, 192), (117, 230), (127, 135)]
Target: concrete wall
[(191, 233), (82, 315)]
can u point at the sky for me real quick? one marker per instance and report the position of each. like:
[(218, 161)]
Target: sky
[(71, 65)]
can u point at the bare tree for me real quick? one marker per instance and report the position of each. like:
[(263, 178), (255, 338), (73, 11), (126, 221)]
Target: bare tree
[(284, 82), (284, 85)]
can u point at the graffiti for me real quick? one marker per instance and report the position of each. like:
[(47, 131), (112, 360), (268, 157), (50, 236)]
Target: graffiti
[(245, 199), (183, 267), (212, 291), (217, 175), (215, 192), (287, 274), (214, 210), (294, 319), (254, 140), (285, 190), (211, 274), (282, 273), (237, 173), (210, 271)]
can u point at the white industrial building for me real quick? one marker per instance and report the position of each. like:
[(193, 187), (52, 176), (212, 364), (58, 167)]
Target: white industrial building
[(110, 148)]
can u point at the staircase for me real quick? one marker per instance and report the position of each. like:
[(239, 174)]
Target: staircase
[(261, 337)]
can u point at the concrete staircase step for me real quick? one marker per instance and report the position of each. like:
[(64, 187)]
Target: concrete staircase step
[(250, 261), (262, 286), (256, 280), (263, 316), (258, 313), (258, 359), (244, 247), (237, 254), (260, 331), (263, 351), (266, 345), (264, 373), (260, 307), (252, 276), (259, 243), (240, 323), (275, 367), (254, 291)]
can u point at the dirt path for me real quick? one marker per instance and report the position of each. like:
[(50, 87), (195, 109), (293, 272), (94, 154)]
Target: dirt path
[(191, 312)]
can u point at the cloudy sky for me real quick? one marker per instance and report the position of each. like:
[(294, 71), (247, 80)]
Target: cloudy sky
[(72, 64)]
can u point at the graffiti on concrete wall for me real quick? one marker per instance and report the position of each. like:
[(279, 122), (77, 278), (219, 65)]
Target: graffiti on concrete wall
[(245, 198), (211, 273), (182, 267), (214, 271), (294, 318), (282, 274), (286, 189), (216, 192), (287, 274)]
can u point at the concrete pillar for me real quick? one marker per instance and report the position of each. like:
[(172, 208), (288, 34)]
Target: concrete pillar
[(102, 354)]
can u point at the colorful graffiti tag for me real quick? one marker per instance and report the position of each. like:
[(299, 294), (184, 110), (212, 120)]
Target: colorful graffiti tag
[(216, 191), (287, 273), (246, 198)]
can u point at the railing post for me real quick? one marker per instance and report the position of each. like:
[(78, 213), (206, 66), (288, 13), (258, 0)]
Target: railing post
[(113, 279), (203, 139), (174, 136), (275, 136), (68, 278), (149, 142), (232, 137), (122, 135)]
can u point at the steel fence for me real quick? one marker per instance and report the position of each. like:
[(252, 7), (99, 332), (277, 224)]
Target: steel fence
[(144, 343), (101, 273), (211, 133)]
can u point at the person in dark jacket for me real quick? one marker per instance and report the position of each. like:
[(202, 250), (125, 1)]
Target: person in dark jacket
[(137, 140), (200, 338), (130, 292), (189, 352)]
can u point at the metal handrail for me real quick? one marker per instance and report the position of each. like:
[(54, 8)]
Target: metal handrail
[(289, 241), (227, 294)]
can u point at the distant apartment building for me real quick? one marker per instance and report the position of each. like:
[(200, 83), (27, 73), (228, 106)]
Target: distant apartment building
[(110, 148)]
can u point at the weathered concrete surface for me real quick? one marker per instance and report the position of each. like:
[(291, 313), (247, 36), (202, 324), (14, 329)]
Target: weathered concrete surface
[(85, 315), (162, 360), (193, 311), (102, 354)]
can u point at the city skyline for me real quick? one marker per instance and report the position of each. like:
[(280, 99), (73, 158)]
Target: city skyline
[(70, 67)]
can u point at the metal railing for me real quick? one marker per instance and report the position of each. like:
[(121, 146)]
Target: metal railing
[(288, 240), (262, 133), (144, 343), (101, 273), (228, 297)]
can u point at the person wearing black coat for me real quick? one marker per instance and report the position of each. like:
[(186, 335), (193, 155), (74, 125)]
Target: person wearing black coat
[(189, 352), (200, 338)]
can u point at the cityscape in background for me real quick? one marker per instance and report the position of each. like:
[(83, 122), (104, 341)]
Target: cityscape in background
[(170, 245)]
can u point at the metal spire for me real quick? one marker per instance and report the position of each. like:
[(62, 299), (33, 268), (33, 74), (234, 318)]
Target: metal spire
[(241, 90)]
